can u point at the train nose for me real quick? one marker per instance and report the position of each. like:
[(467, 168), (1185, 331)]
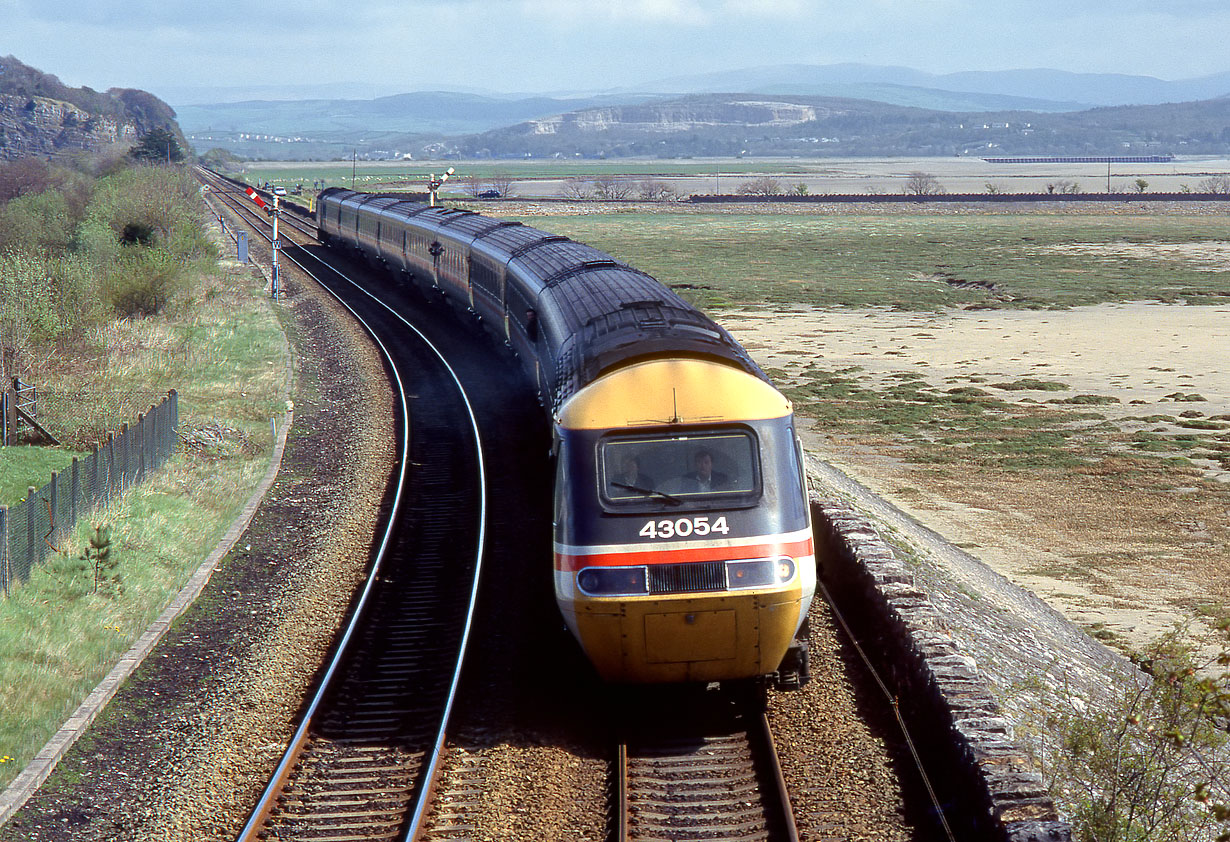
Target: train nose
[(681, 636), (709, 638)]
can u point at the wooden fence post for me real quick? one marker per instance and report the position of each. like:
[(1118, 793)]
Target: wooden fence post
[(74, 490), (5, 569), (140, 447), (54, 509), (31, 499)]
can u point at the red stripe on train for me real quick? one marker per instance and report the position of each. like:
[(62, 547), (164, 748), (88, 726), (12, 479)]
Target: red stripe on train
[(663, 554)]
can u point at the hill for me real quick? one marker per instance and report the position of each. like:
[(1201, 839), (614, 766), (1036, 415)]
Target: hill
[(1034, 89), (40, 115), (742, 124)]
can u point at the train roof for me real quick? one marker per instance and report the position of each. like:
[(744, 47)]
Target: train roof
[(596, 312)]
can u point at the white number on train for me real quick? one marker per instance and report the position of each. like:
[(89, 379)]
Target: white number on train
[(684, 527)]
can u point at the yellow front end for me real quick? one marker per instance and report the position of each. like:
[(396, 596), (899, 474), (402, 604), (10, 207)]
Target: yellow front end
[(688, 638)]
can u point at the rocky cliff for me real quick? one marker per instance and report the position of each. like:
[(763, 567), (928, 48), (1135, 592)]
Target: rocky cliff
[(39, 115)]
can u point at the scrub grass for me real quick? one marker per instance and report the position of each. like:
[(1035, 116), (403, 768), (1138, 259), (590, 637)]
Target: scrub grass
[(222, 349), (911, 261)]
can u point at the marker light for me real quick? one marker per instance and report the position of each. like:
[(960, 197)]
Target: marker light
[(761, 573), (613, 581)]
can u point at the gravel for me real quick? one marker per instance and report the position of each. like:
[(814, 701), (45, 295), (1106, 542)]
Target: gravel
[(187, 744)]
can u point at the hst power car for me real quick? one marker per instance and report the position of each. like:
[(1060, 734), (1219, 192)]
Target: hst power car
[(683, 545)]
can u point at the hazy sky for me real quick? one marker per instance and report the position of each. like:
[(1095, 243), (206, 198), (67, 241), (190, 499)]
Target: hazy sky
[(571, 45)]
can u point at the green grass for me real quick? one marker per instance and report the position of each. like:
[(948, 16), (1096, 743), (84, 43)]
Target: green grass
[(912, 262), (24, 466), (223, 352)]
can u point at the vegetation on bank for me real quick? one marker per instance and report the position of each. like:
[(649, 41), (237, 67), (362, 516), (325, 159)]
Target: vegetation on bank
[(114, 288)]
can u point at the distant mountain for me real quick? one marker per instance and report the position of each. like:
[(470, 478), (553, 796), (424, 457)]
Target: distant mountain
[(1065, 91), (423, 113)]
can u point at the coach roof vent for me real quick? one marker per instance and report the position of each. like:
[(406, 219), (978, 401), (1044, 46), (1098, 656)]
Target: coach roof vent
[(528, 247), (580, 268)]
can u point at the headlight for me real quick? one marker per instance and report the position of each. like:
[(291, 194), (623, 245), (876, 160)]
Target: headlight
[(762, 573), (613, 581)]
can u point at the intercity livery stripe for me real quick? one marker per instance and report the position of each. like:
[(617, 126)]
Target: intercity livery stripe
[(692, 551)]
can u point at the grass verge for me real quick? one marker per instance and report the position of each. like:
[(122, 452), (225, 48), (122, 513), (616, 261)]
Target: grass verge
[(62, 631)]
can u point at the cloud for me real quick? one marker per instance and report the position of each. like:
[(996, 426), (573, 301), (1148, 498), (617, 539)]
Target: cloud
[(619, 12)]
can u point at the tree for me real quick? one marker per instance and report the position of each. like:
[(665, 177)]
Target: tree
[(471, 185), (1141, 184), (24, 175), (502, 183), (1215, 184), (158, 145), (653, 190), (576, 187), (922, 184), (765, 185), (612, 188)]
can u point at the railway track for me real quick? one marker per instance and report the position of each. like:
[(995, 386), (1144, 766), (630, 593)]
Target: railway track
[(699, 765), (362, 761), (686, 768)]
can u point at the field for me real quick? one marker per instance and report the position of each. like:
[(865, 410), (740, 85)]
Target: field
[(534, 178), (1049, 390)]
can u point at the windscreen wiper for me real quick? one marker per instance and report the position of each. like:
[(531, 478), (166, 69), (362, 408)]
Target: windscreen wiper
[(674, 501)]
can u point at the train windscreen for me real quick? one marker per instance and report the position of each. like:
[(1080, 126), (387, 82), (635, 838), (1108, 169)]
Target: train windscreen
[(685, 467)]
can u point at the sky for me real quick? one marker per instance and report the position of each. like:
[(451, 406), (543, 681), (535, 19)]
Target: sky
[(558, 46)]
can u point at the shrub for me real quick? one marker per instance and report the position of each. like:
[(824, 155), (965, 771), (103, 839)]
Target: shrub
[(765, 185), (1153, 764), (142, 282), (38, 222)]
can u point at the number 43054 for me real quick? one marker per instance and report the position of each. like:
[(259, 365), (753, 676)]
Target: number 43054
[(684, 527)]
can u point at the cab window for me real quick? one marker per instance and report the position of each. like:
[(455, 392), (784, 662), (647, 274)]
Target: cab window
[(719, 466)]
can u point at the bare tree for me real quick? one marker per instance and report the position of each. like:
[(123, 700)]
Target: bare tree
[(612, 188), (923, 184), (577, 187), (471, 185), (765, 185), (502, 183), (1215, 184), (655, 190)]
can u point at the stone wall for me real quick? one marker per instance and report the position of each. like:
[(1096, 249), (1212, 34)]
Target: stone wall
[(982, 776)]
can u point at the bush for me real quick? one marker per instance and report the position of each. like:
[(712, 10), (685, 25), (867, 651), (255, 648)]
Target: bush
[(765, 185), (142, 282), (1152, 766), (160, 200), (38, 222)]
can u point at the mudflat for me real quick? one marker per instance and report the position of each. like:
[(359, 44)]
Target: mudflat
[(1127, 539)]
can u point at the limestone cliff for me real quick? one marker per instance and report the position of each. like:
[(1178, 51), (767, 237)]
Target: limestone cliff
[(41, 116)]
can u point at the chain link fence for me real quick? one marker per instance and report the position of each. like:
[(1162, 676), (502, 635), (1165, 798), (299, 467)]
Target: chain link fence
[(32, 529)]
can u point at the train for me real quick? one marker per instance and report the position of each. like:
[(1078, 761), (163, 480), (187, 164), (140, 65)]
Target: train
[(683, 548)]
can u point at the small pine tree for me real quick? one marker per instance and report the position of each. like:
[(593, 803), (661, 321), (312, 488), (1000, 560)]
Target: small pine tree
[(99, 552), (158, 145)]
